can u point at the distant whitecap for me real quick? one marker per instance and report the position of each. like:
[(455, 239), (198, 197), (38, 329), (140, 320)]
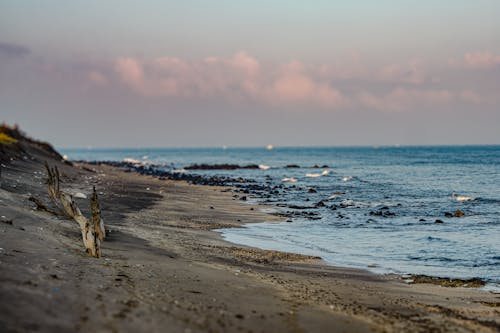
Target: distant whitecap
[(264, 167), (131, 160), (346, 179), (461, 198), (315, 175), (291, 180)]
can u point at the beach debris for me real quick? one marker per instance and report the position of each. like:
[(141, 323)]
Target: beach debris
[(97, 220), (448, 282), (92, 230), (40, 205), (6, 220), (80, 195)]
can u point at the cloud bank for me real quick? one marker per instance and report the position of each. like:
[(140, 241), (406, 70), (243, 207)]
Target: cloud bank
[(243, 78)]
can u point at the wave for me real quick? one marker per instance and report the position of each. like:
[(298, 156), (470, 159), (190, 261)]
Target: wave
[(461, 198), (290, 179), (131, 160), (264, 167), (316, 175)]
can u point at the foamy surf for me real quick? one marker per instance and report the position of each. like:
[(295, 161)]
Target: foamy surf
[(291, 180), (131, 160), (264, 167), (461, 198), (316, 175)]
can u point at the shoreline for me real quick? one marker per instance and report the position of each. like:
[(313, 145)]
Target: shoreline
[(163, 266), (247, 189), (408, 278)]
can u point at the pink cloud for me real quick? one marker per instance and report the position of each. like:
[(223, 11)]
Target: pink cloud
[(242, 78), (131, 72), (293, 84), (236, 77)]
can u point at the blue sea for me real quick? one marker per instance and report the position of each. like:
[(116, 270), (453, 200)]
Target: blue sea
[(379, 204)]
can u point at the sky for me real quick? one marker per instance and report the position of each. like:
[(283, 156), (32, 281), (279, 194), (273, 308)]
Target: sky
[(121, 73)]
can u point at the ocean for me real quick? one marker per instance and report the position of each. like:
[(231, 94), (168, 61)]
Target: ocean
[(373, 208)]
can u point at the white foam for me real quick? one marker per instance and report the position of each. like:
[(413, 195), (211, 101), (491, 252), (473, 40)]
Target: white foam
[(346, 179), (316, 175), (264, 167), (313, 175), (131, 160), (461, 198), (291, 180)]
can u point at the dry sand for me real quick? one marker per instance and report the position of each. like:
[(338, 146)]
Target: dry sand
[(164, 270)]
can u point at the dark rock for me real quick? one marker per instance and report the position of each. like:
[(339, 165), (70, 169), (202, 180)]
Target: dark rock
[(300, 207), (292, 166), (311, 190), (243, 198), (320, 204), (220, 167), (438, 221), (448, 214), (422, 220)]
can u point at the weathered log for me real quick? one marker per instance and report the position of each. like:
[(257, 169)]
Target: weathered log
[(96, 216), (92, 231), (40, 205), (90, 239), (53, 183)]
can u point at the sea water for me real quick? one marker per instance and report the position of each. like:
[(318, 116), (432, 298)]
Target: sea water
[(417, 185)]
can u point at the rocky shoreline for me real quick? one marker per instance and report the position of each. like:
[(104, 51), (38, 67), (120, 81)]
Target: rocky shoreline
[(162, 266)]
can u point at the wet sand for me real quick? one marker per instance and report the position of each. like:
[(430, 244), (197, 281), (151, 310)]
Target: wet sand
[(164, 269)]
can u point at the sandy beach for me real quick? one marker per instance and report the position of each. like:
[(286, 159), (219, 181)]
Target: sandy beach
[(164, 269)]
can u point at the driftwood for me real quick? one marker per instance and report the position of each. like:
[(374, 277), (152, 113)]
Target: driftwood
[(96, 216), (92, 230), (40, 205)]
